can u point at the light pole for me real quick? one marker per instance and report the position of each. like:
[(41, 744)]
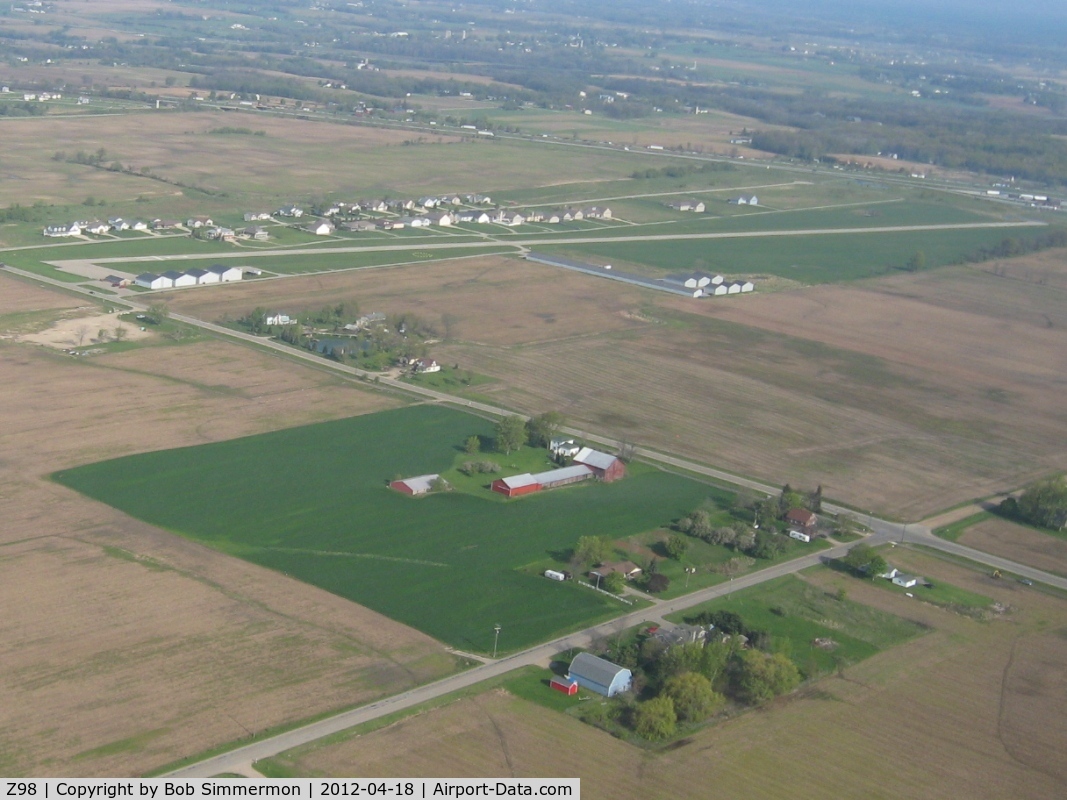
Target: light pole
[(496, 637), (903, 532), (689, 571)]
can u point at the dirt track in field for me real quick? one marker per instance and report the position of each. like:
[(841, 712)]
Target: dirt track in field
[(125, 647)]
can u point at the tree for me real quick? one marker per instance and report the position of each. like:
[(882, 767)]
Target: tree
[(510, 434), (766, 545), (658, 582), (761, 676), (655, 719), (102, 335), (157, 313), (472, 445), (439, 484), (916, 262), (613, 582), (627, 451), (676, 546), (120, 332), (864, 561), (540, 430), (1043, 504), (592, 550), (693, 696), (82, 331)]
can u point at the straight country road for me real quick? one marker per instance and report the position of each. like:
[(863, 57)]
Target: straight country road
[(883, 532)]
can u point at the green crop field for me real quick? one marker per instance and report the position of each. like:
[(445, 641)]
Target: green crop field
[(312, 502), (808, 259)]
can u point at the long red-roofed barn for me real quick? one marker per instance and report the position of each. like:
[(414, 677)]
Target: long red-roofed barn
[(420, 484), (604, 465)]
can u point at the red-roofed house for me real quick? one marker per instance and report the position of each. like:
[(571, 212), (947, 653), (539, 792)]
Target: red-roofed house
[(803, 519)]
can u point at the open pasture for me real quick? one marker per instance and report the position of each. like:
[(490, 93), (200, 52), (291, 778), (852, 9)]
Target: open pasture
[(313, 502), (137, 647), (972, 709), (318, 159)]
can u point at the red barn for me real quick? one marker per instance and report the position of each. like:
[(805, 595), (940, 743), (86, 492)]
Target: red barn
[(605, 466), (421, 484), (516, 485), (568, 687)]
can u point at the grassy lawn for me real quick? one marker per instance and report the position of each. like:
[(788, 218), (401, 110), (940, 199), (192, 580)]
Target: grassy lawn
[(313, 502), (954, 531), (794, 613)]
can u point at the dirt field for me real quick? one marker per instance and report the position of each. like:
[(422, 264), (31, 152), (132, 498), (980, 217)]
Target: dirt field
[(893, 402), (138, 647), (19, 296), (82, 327), (973, 709), (1019, 543), (492, 300)]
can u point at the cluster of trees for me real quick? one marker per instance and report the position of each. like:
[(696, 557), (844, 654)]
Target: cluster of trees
[(1043, 504), (688, 683), (864, 562), (682, 170), (27, 109), (513, 432), (479, 468)]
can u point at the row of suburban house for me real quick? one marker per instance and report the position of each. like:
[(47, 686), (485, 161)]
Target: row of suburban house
[(172, 279), (699, 207), (205, 224)]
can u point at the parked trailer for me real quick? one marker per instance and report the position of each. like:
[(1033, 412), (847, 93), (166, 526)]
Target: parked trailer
[(554, 575)]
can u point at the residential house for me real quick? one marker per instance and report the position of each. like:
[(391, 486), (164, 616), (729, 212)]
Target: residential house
[(575, 214), (165, 224), (599, 675), (424, 365), (118, 224), (442, 218), (534, 215), (562, 447), (627, 569), (360, 225), (257, 216), (320, 228), (254, 232), (55, 231), (551, 217), (596, 212), (96, 227), (745, 200), (280, 319), (509, 218), (138, 225), (696, 206), (801, 518), (905, 580), (199, 222), (291, 211)]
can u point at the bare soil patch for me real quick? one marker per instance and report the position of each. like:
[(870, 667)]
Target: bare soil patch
[(140, 647), (80, 329), (1002, 538)]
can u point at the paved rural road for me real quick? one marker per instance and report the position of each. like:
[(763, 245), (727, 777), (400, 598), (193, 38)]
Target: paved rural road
[(884, 531)]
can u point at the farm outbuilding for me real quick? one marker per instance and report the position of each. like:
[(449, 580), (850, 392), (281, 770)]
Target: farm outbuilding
[(149, 280), (420, 484), (568, 687), (563, 477), (516, 485), (605, 466), (599, 675)]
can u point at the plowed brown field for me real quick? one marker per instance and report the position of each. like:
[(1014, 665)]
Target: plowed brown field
[(125, 647)]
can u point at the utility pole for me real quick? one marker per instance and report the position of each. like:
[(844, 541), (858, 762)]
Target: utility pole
[(496, 637)]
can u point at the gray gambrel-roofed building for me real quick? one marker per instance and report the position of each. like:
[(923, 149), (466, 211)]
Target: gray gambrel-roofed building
[(599, 675)]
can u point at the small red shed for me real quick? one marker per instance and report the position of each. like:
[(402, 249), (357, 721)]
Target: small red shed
[(568, 687), (516, 485)]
